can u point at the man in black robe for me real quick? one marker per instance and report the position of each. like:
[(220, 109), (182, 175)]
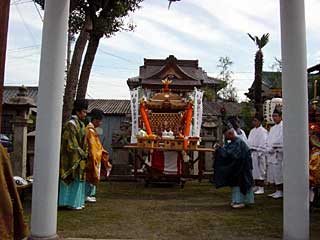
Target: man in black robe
[(233, 168)]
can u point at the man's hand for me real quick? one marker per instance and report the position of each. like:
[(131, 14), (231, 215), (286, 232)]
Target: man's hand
[(216, 146)]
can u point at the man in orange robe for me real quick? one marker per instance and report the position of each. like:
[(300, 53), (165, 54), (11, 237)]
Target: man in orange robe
[(96, 155)]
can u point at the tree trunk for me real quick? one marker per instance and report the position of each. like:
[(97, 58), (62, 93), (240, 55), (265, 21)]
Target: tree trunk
[(73, 74), (258, 82), (87, 66)]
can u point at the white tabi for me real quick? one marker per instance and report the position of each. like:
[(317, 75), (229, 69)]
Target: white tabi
[(275, 154), (257, 142)]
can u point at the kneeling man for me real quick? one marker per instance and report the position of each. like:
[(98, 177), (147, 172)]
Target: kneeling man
[(233, 168)]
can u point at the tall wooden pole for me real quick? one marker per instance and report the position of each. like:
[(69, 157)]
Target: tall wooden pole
[(4, 19)]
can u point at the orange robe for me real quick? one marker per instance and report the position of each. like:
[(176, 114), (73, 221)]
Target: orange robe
[(314, 167), (96, 155), (314, 160), (12, 225)]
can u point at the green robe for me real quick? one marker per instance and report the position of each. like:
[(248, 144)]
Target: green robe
[(233, 166), (74, 151)]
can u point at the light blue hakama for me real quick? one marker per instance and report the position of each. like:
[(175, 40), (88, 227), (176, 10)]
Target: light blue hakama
[(72, 195), (238, 197), (90, 190)]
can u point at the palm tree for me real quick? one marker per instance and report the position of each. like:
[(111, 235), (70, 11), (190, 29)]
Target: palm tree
[(170, 1), (258, 65)]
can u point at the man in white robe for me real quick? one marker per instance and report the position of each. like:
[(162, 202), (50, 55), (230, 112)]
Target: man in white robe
[(257, 142), (275, 155), (235, 122)]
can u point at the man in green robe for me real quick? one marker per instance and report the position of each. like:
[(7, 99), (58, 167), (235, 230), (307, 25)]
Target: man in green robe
[(233, 168), (73, 159)]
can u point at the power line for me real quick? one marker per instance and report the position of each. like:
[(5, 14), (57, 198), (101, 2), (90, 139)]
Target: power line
[(113, 67), (106, 71), (25, 24), (123, 75), (18, 56), (116, 56), (15, 2), (23, 57), (23, 48), (18, 2)]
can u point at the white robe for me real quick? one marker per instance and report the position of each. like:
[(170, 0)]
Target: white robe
[(275, 154), (257, 142), (242, 135)]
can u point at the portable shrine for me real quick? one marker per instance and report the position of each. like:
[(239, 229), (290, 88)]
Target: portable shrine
[(166, 123)]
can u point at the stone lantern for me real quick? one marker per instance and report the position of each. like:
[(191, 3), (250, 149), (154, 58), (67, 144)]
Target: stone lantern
[(20, 105), (210, 136)]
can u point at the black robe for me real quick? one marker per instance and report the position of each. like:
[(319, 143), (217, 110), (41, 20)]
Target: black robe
[(233, 166)]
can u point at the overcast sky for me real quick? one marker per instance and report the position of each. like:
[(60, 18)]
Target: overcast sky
[(191, 29)]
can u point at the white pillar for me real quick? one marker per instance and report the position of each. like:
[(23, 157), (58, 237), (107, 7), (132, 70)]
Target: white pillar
[(295, 115), (48, 128)]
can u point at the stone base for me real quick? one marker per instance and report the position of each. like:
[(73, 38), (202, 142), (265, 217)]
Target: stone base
[(55, 237)]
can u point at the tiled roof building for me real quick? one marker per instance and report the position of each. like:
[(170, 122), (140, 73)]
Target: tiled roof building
[(108, 106), (185, 75)]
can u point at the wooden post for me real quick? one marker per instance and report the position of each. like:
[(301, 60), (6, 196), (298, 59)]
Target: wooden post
[(4, 19)]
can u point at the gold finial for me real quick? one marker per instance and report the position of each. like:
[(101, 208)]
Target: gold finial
[(166, 82)]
